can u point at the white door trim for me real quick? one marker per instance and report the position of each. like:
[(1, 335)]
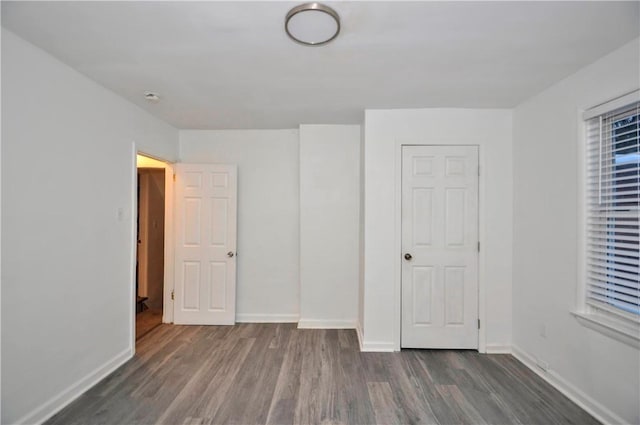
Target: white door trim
[(169, 248), (398, 238), (134, 248)]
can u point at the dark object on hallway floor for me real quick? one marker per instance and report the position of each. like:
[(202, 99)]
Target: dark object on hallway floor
[(140, 305)]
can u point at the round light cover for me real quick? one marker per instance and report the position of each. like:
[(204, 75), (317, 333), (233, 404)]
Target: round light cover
[(312, 24)]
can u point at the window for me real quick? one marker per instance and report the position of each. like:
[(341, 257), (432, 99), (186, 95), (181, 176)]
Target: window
[(612, 195)]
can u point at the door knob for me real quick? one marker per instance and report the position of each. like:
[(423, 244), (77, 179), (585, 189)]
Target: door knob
[(407, 256), (230, 254)]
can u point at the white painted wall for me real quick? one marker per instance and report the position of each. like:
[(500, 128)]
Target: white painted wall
[(67, 166), (385, 132), (360, 323), (545, 264), (0, 244), (268, 215), (329, 225)]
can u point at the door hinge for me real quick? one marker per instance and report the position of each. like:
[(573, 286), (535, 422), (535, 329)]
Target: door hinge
[(478, 323), (172, 295), (174, 176), (478, 246), (478, 171)]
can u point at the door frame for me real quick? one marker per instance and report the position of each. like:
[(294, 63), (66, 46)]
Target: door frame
[(398, 239), (167, 307)]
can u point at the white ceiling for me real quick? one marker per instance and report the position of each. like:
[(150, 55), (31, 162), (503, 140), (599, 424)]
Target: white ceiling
[(221, 65)]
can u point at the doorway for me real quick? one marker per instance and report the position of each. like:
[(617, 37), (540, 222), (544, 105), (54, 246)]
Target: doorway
[(150, 257), (440, 245)]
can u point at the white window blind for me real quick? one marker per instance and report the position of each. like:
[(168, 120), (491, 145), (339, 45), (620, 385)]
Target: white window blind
[(613, 209)]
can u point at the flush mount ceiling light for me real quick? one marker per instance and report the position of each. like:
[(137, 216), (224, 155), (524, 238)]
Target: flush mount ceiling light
[(312, 24)]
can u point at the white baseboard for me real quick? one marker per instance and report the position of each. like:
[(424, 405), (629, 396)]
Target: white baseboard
[(266, 318), (326, 324), (58, 402), (597, 410), (373, 347), (378, 347), (498, 349), (360, 334)]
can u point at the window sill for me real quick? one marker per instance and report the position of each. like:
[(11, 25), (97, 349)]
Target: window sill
[(615, 329)]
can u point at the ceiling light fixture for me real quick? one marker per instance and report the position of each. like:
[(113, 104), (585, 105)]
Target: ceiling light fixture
[(312, 24)]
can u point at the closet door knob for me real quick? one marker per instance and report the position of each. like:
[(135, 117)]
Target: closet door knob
[(407, 256)]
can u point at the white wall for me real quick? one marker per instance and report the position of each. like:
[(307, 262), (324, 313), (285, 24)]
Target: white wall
[(385, 132), (329, 225), (0, 245), (268, 215), (67, 166), (545, 270), (360, 323)]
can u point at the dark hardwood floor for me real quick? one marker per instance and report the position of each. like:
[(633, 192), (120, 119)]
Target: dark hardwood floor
[(277, 374)]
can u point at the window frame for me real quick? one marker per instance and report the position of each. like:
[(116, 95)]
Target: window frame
[(618, 325)]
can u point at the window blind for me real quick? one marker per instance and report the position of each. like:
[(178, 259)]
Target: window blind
[(613, 210)]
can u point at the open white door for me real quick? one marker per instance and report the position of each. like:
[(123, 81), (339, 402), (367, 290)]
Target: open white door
[(205, 223), (440, 247)]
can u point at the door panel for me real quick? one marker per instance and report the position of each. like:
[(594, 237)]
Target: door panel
[(206, 202), (440, 232)]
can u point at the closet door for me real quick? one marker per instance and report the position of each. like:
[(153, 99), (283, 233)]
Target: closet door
[(440, 247)]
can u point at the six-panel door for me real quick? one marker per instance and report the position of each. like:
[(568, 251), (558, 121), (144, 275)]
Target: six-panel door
[(440, 236), (205, 281)]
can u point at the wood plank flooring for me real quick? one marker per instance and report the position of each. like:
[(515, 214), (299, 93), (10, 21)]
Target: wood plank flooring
[(147, 320), (277, 374)]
